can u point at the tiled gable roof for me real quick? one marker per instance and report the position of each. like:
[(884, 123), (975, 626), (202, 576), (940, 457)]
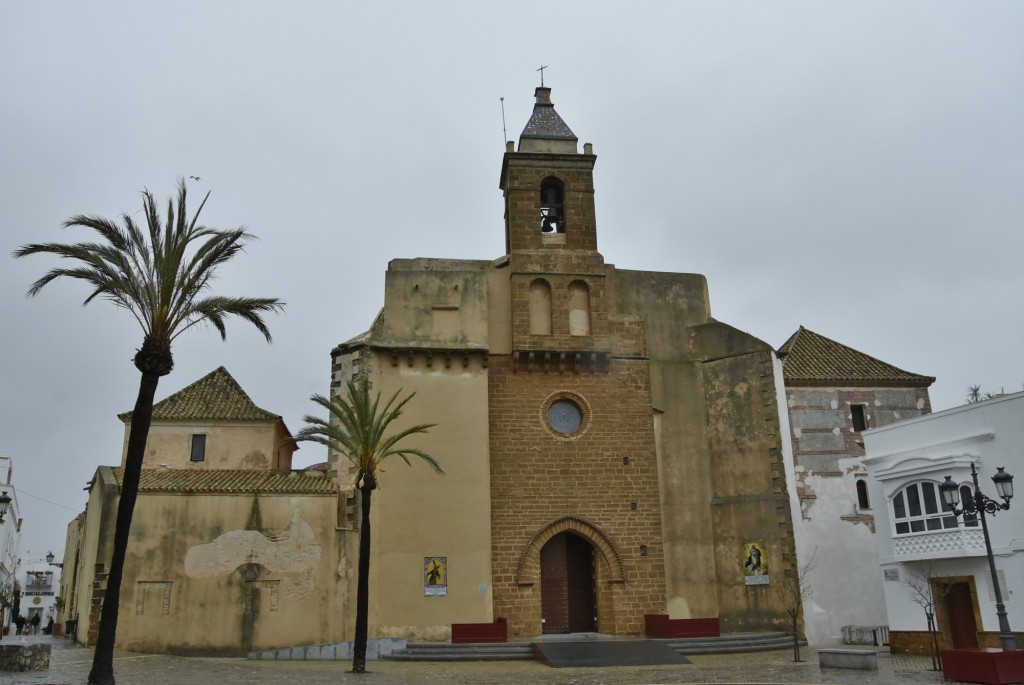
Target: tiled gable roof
[(811, 358), (231, 482), (217, 396)]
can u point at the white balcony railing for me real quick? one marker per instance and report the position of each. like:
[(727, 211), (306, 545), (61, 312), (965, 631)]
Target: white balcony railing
[(965, 541)]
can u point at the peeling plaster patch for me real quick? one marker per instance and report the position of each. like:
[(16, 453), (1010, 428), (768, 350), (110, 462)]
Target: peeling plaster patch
[(866, 519), (834, 404), (835, 431), (741, 389), (920, 404), (291, 553), (796, 432)]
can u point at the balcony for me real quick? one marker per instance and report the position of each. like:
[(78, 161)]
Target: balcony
[(956, 542), (39, 584)]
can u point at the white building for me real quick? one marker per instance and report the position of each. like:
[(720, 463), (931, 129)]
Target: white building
[(833, 394), (920, 540), (10, 536), (39, 582)]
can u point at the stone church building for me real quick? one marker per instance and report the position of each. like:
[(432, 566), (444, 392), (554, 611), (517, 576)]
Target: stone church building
[(610, 449)]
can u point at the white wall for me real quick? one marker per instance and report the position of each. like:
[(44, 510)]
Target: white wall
[(10, 535), (988, 434)]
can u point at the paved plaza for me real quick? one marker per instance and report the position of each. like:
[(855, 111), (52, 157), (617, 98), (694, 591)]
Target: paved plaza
[(70, 666)]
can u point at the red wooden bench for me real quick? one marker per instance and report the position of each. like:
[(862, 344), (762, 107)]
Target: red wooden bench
[(660, 625), (982, 665), (463, 633)]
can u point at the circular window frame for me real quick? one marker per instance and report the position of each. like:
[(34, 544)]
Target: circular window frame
[(581, 403)]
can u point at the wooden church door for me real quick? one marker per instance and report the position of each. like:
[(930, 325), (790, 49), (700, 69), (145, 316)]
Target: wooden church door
[(567, 588)]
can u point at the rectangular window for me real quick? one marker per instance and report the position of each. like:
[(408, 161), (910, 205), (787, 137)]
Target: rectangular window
[(913, 500), (860, 417), (199, 447), (931, 506), (898, 507)]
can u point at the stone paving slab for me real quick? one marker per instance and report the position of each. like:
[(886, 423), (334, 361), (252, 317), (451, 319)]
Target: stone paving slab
[(70, 664)]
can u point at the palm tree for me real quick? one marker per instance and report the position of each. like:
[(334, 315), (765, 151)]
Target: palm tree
[(356, 428), (161, 275)]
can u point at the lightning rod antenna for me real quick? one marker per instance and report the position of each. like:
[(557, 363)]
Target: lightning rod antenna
[(504, 131)]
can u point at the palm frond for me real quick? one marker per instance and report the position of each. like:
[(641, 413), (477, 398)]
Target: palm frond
[(161, 272), (357, 426)]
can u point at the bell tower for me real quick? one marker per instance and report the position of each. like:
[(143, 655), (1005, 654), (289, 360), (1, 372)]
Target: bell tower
[(557, 275), (548, 186)]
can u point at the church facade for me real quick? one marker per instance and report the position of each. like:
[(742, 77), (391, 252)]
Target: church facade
[(610, 449)]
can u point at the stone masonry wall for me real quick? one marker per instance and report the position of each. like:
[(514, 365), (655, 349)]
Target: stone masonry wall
[(22, 656), (601, 484)]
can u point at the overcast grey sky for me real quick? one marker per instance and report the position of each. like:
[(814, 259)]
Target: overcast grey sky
[(853, 167)]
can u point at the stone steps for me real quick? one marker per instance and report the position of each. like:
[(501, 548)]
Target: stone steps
[(733, 642), (397, 649), (515, 651)]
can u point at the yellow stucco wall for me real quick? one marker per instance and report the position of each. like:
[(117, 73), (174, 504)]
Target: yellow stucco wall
[(228, 446), (228, 574), (417, 513), (94, 547)]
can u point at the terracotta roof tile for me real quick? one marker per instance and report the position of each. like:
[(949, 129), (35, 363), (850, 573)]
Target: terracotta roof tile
[(808, 357), (231, 481), (216, 396)]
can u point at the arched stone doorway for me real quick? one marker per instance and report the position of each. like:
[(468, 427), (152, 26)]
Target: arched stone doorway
[(568, 585), (606, 564)]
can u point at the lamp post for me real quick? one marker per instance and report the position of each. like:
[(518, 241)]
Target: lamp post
[(50, 558), (5, 502), (980, 505)]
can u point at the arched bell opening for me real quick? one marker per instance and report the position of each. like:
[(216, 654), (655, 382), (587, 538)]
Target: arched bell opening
[(552, 206)]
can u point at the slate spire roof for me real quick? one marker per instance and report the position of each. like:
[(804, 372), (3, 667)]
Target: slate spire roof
[(809, 358), (545, 122), (217, 396)]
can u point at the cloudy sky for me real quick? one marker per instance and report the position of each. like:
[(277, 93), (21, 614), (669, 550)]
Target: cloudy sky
[(853, 167)]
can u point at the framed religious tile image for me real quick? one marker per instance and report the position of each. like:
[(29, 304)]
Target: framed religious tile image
[(755, 564), (435, 576)]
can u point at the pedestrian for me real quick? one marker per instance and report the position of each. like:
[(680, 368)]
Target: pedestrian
[(35, 624), (19, 623), (49, 627)]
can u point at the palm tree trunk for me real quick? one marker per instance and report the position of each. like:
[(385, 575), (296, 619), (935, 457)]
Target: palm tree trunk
[(102, 672), (369, 484)]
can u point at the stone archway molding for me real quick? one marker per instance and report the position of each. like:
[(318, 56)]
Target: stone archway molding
[(529, 563)]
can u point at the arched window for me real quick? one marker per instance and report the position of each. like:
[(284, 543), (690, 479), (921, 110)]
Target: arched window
[(919, 508), (862, 494), (579, 308), (540, 307), (552, 206)]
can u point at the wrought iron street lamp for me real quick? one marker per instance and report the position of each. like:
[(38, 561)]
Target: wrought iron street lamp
[(50, 558), (981, 505), (5, 503)]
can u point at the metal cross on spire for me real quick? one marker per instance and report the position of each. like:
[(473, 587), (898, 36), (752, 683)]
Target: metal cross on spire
[(541, 70)]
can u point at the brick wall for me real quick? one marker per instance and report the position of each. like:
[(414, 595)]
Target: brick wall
[(524, 174), (543, 483)]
